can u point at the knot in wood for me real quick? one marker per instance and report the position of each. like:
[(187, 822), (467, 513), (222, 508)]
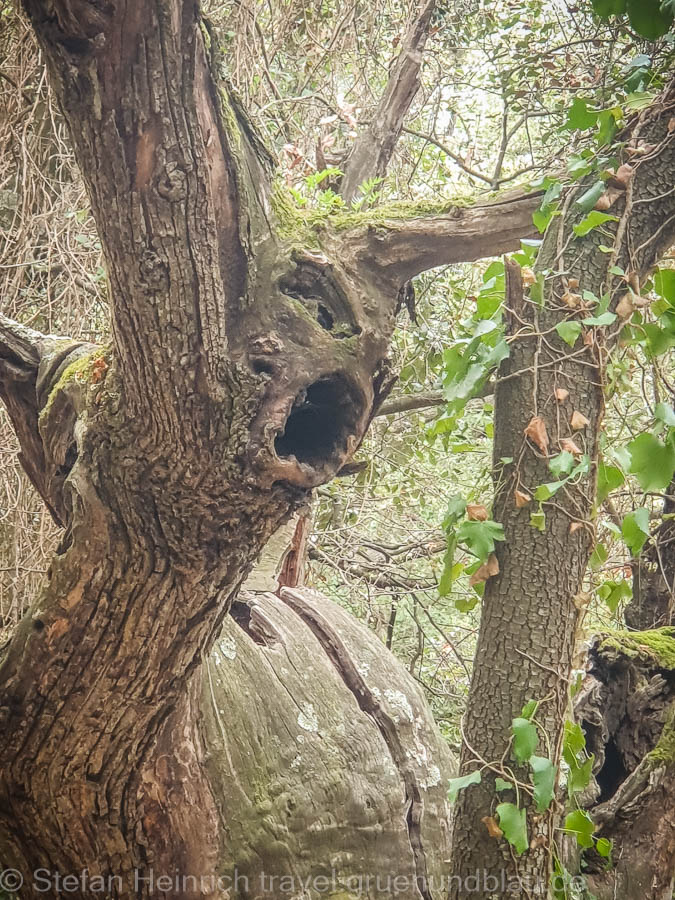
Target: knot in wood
[(267, 344), (172, 184), (152, 270)]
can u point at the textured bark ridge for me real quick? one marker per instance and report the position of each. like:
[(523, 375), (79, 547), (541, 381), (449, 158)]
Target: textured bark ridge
[(627, 709)]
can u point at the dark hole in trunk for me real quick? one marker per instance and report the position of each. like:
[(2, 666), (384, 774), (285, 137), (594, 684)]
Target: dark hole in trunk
[(322, 418), (241, 613), (612, 774)]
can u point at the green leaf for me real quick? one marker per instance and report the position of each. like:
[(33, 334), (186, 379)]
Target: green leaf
[(635, 530), (652, 461), (590, 197), (569, 331), (542, 217), (513, 822), (598, 557), (562, 463), (580, 824), (455, 785), (573, 741), (529, 709), (455, 511), (525, 739), (538, 519), (664, 284), (603, 847), (609, 479), (639, 100), (591, 221), (613, 592), (546, 491), (648, 18), (579, 776), (543, 779), (480, 537), (605, 318), (665, 413), (579, 116), (501, 785), (465, 603), (607, 125), (607, 8)]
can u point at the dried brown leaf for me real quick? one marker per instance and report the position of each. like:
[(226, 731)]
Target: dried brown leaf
[(536, 432), (569, 445), (578, 420), (561, 394), (491, 824), (521, 498), (476, 512)]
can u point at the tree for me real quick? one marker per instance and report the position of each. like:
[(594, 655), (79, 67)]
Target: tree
[(248, 357)]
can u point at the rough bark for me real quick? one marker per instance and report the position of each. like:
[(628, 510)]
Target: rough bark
[(247, 359), (531, 607), (627, 710)]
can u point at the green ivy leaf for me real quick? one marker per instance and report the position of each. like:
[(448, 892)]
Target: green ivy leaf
[(525, 739), (649, 18), (562, 463), (573, 741), (598, 557), (664, 284), (603, 847), (609, 479), (513, 822), (613, 592), (501, 785), (580, 824), (590, 197), (529, 709), (605, 318), (635, 530), (543, 779), (593, 220), (652, 461), (665, 413), (579, 116), (479, 537), (538, 519), (455, 785), (579, 776), (546, 491), (607, 8), (569, 331)]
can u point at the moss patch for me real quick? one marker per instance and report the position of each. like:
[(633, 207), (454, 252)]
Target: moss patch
[(298, 223), (653, 646), (664, 752), (79, 369)]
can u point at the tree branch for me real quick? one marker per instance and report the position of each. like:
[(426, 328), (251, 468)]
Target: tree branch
[(400, 248), (374, 147)]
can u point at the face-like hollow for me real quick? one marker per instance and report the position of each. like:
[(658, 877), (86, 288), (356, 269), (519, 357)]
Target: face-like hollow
[(322, 426)]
